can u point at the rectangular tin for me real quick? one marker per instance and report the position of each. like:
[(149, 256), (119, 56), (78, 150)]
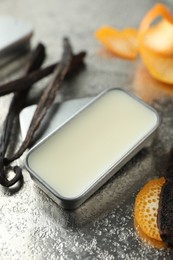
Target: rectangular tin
[(71, 203)]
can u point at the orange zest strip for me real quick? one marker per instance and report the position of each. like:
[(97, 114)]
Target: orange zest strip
[(159, 66), (122, 43), (154, 42), (156, 11)]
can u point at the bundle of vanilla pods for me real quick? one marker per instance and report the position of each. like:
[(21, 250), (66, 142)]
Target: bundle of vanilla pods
[(69, 64)]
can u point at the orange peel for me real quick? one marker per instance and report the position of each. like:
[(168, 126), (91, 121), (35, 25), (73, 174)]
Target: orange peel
[(153, 42), (148, 240), (159, 38), (159, 66), (122, 43), (152, 14), (146, 208)]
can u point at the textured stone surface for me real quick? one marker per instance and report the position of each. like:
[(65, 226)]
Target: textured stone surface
[(32, 226)]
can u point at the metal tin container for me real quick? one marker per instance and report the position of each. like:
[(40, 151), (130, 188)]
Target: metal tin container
[(83, 153)]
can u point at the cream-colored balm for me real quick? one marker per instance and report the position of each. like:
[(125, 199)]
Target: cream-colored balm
[(91, 146)]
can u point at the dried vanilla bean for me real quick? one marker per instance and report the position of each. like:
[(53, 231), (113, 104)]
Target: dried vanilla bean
[(33, 77), (47, 97), (16, 105), (69, 64)]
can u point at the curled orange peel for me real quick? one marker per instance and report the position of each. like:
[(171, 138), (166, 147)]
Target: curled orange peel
[(160, 66), (153, 42), (153, 13), (122, 43)]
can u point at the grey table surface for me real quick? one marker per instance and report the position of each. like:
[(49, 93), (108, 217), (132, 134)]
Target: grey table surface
[(32, 226)]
